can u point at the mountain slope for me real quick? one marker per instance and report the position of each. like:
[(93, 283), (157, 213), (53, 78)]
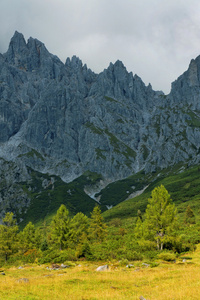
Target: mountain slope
[(182, 183), (65, 120)]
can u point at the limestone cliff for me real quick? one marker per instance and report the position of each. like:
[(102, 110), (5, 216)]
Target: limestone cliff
[(64, 119)]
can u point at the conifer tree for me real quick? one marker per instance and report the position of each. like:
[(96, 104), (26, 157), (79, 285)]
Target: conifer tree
[(60, 228), (97, 229), (189, 216), (30, 237), (8, 236), (78, 227)]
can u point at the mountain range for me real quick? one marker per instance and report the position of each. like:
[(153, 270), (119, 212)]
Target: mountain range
[(61, 121)]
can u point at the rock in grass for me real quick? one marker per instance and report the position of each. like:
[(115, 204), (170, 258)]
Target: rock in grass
[(23, 280), (142, 298), (129, 266), (2, 273), (64, 266), (102, 268), (146, 265), (55, 267)]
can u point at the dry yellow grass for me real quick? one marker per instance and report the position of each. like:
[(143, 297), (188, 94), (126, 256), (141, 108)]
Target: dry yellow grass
[(167, 281)]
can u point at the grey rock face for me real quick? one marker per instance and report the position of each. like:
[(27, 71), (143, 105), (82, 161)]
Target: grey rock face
[(64, 119), (12, 196)]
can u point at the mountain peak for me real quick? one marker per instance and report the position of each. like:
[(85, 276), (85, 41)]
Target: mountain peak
[(18, 41), (119, 64), (17, 47)]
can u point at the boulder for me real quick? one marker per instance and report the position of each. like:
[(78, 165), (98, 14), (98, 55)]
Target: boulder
[(23, 280), (102, 268)]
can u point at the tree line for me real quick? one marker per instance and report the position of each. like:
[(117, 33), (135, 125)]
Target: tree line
[(81, 237)]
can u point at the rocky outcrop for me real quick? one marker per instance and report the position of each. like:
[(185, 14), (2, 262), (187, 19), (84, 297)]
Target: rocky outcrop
[(64, 119)]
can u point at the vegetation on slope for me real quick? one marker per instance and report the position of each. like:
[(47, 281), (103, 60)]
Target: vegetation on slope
[(181, 182), (47, 193)]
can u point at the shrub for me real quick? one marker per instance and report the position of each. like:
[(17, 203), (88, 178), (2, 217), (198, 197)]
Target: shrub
[(150, 254), (123, 262), (57, 256), (167, 256), (133, 255)]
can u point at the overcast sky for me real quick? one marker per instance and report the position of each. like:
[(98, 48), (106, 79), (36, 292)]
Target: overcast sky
[(155, 39)]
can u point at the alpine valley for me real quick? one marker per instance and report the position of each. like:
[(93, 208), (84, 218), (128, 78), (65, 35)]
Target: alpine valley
[(68, 135)]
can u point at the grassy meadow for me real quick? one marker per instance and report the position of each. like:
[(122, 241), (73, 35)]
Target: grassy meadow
[(168, 280), (153, 276)]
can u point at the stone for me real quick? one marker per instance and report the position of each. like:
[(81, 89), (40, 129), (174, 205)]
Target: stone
[(55, 267), (2, 273), (23, 280), (64, 266), (129, 266), (145, 265), (102, 268)]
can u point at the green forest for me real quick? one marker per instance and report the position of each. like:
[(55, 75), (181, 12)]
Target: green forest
[(156, 233)]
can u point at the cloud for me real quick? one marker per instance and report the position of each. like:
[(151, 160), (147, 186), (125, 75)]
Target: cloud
[(155, 39)]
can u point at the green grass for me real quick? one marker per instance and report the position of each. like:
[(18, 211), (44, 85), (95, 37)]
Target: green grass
[(163, 280)]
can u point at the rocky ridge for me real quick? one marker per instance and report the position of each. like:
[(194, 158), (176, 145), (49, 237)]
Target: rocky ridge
[(64, 119)]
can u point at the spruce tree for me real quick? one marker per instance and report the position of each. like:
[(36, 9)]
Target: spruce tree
[(97, 229), (78, 227), (189, 216), (60, 228), (8, 236), (30, 237)]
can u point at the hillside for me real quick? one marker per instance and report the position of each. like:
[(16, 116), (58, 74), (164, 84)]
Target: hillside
[(182, 182)]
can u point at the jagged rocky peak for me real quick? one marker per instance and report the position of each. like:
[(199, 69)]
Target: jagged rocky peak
[(117, 71), (17, 47), (110, 123), (74, 62), (17, 42), (29, 56), (185, 90), (194, 73)]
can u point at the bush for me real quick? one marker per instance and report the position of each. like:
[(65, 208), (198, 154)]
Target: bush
[(56, 256), (116, 222), (154, 264), (167, 256), (123, 262), (151, 255), (145, 245), (133, 255), (30, 256)]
